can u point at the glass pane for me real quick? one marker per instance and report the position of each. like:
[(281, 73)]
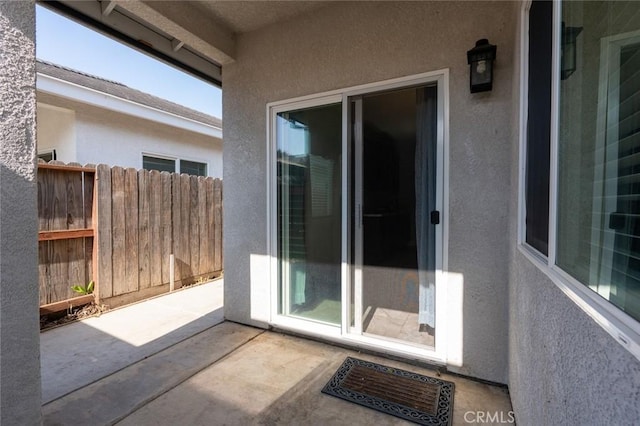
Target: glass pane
[(309, 148), (539, 125), (599, 150), (399, 194), (193, 168), (160, 164)]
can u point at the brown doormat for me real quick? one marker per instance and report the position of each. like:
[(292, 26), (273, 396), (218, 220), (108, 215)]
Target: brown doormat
[(410, 396)]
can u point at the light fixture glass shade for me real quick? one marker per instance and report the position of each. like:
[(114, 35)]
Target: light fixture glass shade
[(481, 59), (568, 53)]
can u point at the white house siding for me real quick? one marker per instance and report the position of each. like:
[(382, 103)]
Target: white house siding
[(347, 44), (19, 330), (112, 138), (56, 129)]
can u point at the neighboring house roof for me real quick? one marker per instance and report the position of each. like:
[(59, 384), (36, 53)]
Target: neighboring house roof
[(123, 92)]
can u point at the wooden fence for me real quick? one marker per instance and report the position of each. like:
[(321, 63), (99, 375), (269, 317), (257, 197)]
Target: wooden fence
[(129, 224), (66, 224)]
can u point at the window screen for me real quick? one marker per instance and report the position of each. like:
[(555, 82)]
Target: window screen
[(160, 164), (193, 168)]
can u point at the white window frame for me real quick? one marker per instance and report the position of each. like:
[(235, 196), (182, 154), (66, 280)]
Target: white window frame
[(623, 328), (51, 151), (206, 165), (449, 339), (160, 156)]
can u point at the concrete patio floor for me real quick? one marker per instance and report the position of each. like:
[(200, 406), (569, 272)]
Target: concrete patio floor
[(223, 374)]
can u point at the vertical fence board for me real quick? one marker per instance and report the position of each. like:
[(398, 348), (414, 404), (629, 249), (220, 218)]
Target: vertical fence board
[(131, 230), (176, 227), (118, 229), (155, 223), (59, 255), (44, 275), (218, 224), (144, 274), (194, 226), (202, 226), (88, 259), (166, 227), (104, 284), (89, 243), (209, 208), (75, 220), (185, 228), (89, 181), (45, 199), (45, 193)]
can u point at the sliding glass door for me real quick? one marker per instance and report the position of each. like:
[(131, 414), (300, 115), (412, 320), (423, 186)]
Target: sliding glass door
[(357, 195), (394, 177)]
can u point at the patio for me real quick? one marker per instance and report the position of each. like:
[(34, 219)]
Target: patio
[(174, 360)]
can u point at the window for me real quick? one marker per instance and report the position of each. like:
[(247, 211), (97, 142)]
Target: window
[(48, 155), (160, 164), (193, 168), (538, 125), (598, 212), (590, 106)]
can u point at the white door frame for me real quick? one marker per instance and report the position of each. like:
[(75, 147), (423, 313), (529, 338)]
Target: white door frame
[(447, 309)]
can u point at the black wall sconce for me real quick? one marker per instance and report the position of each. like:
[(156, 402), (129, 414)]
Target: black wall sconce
[(568, 59), (481, 58)]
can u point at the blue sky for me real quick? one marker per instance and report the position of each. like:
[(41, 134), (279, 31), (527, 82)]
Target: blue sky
[(62, 41)]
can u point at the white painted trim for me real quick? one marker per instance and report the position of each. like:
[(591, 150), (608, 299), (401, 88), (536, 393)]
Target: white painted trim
[(444, 295), (177, 160), (347, 230), (624, 329), (358, 231), (76, 92), (522, 122), (555, 119), (272, 205), (272, 213), (333, 334), (365, 88)]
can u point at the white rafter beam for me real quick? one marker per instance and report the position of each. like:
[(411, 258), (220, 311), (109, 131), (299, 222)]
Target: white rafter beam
[(201, 33), (176, 44), (107, 7)]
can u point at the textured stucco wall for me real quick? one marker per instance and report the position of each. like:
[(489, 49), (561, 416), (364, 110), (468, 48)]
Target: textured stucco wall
[(108, 137), (19, 328), (563, 367), (346, 44)]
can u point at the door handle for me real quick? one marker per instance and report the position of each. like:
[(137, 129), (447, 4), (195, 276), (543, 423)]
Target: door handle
[(617, 221), (435, 217)]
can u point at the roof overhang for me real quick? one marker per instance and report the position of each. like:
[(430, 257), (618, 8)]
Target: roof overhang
[(75, 92), (198, 36), (167, 30)]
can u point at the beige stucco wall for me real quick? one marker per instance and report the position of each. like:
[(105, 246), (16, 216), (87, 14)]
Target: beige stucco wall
[(19, 327), (347, 44), (109, 137)]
